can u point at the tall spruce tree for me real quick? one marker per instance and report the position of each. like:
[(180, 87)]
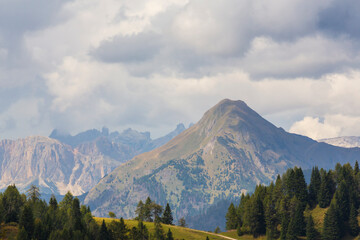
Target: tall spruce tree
[(270, 218), (311, 233), (257, 219), (300, 187), (356, 168), (169, 235), (231, 218), (167, 217), (159, 231), (27, 221), (353, 222), (326, 190), (331, 227), (104, 233), (314, 186), (342, 201)]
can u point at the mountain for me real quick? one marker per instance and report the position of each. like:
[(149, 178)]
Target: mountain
[(53, 166), (229, 151), (346, 142), (62, 162)]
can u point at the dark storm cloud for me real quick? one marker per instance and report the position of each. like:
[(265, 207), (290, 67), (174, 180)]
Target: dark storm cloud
[(133, 48), (341, 17)]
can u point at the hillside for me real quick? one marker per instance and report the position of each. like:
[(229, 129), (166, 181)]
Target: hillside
[(73, 164), (229, 151), (178, 232)]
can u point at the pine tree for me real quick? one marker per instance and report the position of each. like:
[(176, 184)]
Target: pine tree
[(159, 231), (169, 235), (76, 215), (314, 186), (311, 233), (331, 227), (33, 193), (147, 210), (353, 222), (104, 233), (356, 168), (140, 211), (27, 221), (326, 190), (167, 217), (300, 186), (257, 220), (342, 201), (270, 218), (299, 221), (231, 218), (143, 233), (53, 202)]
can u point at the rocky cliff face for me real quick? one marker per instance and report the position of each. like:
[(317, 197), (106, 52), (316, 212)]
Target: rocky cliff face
[(70, 163), (54, 166), (229, 151)]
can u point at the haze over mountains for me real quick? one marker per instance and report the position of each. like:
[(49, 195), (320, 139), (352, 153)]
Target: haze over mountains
[(229, 151), (62, 163)]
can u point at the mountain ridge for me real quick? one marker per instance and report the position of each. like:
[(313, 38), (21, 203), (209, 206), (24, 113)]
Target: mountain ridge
[(230, 150)]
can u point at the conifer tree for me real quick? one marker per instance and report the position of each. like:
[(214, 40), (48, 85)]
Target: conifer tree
[(159, 231), (311, 233), (76, 215), (27, 221), (331, 227), (169, 235), (314, 186), (143, 233), (326, 188), (291, 231), (140, 211), (299, 221), (356, 168), (353, 222), (270, 218), (231, 217), (342, 201), (300, 187), (104, 233), (167, 217), (147, 210), (257, 220), (33, 193), (53, 202)]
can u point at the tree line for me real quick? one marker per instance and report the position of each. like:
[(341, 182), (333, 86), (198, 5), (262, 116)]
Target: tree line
[(282, 210)]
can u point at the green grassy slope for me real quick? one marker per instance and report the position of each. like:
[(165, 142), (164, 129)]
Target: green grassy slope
[(178, 232)]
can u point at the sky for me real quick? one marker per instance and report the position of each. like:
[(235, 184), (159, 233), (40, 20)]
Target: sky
[(151, 64)]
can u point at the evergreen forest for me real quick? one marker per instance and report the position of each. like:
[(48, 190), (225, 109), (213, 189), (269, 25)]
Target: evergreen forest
[(283, 209)]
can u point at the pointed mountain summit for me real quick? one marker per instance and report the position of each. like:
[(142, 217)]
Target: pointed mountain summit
[(229, 151)]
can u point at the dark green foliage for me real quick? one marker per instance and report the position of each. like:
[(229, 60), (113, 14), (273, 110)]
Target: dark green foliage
[(53, 202), (256, 217), (314, 186), (353, 222), (142, 232), (27, 221), (331, 228), (271, 218), (300, 188), (239, 231), (169, 235), (311, 233), (182, 222), (167, 217), (356, 168), (148, 211), (217, 230), (11, 203), (342, 201), (299, 222), (22, 234), (76, 215), (159, 231), (104, 233), (326, 190), (291, 231), (118, 229), (231, 218)]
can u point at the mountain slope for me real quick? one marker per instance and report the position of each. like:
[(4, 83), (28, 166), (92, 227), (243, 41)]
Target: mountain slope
[(76, 164), (229, 151)]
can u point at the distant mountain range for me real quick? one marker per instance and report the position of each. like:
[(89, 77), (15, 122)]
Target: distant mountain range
[(62, 163), (229, 151), (346, 142)]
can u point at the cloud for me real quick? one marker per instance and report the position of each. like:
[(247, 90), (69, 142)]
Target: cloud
[(331, 126), (151, 64)]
